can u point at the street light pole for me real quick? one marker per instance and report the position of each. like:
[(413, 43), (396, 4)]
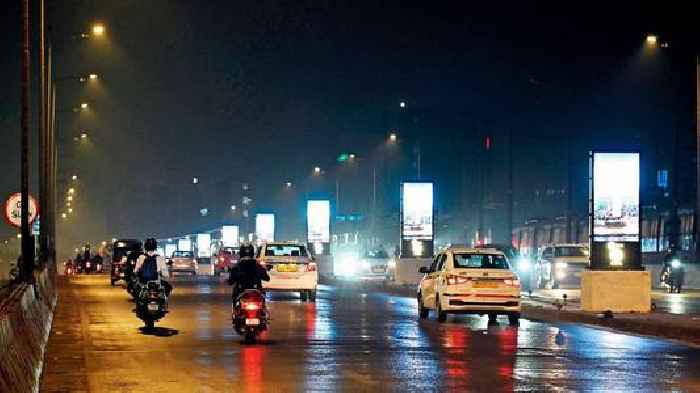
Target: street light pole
[(27, 246), (43, 140), (697, 152)]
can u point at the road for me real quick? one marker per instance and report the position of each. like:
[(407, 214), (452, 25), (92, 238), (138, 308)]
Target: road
[(348, 341)]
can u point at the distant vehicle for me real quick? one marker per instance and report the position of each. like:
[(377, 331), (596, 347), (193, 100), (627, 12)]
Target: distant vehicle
[(465, 280), (374, 265), (183, 262), (292, 269), (561, 264), (520, 263), (226, 258), (120, 250)]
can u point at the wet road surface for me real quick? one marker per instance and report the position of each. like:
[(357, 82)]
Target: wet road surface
[(348, 341)]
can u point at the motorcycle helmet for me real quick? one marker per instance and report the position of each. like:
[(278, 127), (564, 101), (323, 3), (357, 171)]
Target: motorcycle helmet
[(247, 251), (151, 244)]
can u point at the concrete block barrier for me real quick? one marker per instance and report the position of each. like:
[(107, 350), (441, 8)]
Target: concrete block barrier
[(25, 323)]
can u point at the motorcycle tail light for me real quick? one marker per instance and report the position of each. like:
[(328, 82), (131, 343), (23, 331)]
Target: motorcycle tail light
[(454, 280), (251, 306), (311, 267)]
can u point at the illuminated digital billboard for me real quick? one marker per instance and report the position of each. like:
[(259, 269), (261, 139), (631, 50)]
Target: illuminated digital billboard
[(184, 245), (318, 218), (615, 215), (203, 245), (230, 236), (417, 211), (265, 227)]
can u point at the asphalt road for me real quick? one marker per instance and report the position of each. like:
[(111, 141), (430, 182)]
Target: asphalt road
[(348, 341)]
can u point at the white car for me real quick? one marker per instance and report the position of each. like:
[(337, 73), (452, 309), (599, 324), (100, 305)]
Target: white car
[(464, 280), (293, 269), (561, 264)]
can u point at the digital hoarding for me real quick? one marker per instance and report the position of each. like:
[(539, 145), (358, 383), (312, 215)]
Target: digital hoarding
[(615, 215), (184, 245), (318, 218), (230, 235), (203, 245), (417, 211), (265, 227)]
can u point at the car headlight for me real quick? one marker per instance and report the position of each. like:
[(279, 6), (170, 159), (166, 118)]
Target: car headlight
[(675, 263), (524, 264), (561, 265)]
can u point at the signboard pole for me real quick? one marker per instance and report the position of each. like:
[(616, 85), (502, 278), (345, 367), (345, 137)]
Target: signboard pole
[(27, 266)]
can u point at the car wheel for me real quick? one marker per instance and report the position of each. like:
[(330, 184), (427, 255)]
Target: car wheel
[(514, 319), (422, 311), (441, 315), (303, 295), (493, 318), (312, 295)]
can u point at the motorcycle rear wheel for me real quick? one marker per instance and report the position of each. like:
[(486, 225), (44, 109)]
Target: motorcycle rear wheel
[(249, 337)]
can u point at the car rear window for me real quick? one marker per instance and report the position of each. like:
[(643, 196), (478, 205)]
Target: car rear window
[(285, 250), (571, 252), (183, 254), (480, 261)]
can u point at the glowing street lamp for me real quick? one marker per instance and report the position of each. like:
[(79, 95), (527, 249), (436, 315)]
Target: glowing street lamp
[(351, 156), (289, 184), (652, 40), (195, 180), (69, 198), (70, 210), (233, 208), (71, 190), (64, 215), (98, 29)]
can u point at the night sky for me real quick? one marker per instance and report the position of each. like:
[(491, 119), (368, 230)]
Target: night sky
[(261, 92)]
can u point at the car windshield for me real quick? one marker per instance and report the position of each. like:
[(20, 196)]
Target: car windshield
[(480, 261), (285, 250), (571, 252), (183, 254)]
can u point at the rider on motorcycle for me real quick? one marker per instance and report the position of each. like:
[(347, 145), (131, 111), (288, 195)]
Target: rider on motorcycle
[(152, 267), (672, 272), (247, 273)]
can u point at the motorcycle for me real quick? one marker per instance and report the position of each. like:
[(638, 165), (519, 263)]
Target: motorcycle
[(89, 266), (151, 303), (672, 277), (69, 269), (250, 315)]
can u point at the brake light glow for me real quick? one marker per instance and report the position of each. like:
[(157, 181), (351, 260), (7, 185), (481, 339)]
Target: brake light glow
[(251, 306), (512, 283), (453, 280), (311, 267)]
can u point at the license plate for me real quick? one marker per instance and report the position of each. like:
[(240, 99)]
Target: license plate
[(485, 284), (152, 307), (252, 321), (290, 268), (378, 270)]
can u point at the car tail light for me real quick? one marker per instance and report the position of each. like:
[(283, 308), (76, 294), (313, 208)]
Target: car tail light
[(453, 279), (221, 259), (512, 283), (311, 267)]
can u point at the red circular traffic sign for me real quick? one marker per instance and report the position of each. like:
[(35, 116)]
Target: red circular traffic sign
[(13, 210)]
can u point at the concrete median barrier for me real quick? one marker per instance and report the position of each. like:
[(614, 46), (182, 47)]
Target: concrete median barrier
[(25, 323)]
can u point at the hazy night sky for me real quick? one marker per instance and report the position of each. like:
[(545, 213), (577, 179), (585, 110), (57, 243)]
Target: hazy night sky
[(263, 91)]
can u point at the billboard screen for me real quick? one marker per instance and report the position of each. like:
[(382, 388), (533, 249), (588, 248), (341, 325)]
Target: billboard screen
[(170, 248), (229, 235), (265, 227), (203, 245), (318, 219), (184, 245), (417, 207), (615, 197)]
